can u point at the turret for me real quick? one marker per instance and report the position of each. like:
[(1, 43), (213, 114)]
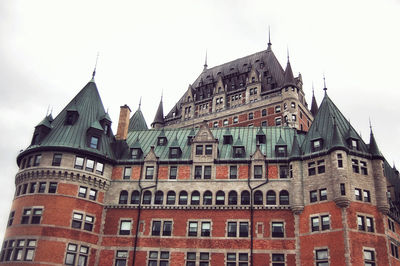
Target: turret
[(159, 117), (295, 172)]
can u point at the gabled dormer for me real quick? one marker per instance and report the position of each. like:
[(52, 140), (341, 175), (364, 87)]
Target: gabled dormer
[(239, 150), (93, 135), (228, 138), (190, 137), (205, 146), (175, 150), (352, 139), (42, 129), (162, 139), (105, 122), (260, 137), (72, 115), (281, 148), (136, 150)]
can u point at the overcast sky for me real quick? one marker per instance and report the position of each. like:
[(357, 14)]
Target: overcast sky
[(48, 51)]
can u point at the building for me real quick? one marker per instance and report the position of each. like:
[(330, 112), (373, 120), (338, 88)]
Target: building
[(277, 184)]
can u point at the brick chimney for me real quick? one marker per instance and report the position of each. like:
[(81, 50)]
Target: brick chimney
[(123, 122)]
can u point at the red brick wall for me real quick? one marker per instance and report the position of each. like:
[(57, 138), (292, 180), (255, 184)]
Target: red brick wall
[(222, 172), (184, 172)]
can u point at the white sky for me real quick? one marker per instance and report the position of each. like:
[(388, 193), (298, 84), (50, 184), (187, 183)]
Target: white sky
[(48, 51)]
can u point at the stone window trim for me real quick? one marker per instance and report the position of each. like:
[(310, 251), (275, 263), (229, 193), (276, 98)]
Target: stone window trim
[(363, 195), (86, 221), (18, 249), (121, 226), (365, 222), (238, 223), (272, 222), (391, 225), (200, 233), (76, 254), (322, 226), (121, 257), (32, 215), (163, 232), (88, 165), (369, 255), (318, 251)]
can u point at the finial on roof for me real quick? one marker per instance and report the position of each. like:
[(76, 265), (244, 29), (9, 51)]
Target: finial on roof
[(287, 51), (325, 89), (269, 36), (370, 124), (48, 108), (140, 102), (95, 66), (205, 62)]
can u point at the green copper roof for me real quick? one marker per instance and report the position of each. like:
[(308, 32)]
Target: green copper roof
[(90, 108), (337, 139), (323, 128), (46, 121), (148, 138), (296, 150), (137, 121)]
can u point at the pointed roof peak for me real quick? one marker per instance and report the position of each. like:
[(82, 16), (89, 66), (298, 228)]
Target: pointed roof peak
[(373, 147), (289, 78), (95, 67), (325, 88), (140, 102), (296, 149), (159, 117), (205, 62), (269, 37)]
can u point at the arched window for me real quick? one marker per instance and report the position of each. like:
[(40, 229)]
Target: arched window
[(245, 198), (258, 198), (284, 197), (207, 198), (195, 199), (171, 197), (183, 197), (146, 197), (232, 198), (158, 197), (220, 198), (135, 197), (271, 197), (123, 197)]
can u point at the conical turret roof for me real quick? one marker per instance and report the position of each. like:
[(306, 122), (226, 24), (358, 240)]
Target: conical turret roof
[(137, 121), (373, 147), (289, 78), (159, 117), (314, 105)]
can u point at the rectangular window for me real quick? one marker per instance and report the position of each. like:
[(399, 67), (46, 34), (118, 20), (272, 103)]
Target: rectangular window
[(209, 149), (340, 160), (370, 224), (369, 257), (342, 189), (243, 229), (167, 228), (192, 229), (394, 250), (325, 222), (366, 196), (207, 172), (24, 189), (314, 224), (205, 228), (31, 216), (191, 259), (76, 255), (82, 192), (53, 187), (127, 172), (313, 196), (391, 225), (233, 172), (321, 257), (257, 171), (323, 194), (11, 218), (311, 168), (42, 187), (361, 223), (121, 258), (283, 171), (364, 169), (94, 142), (77, 219), (278, 259), (79, 162), (89, 165), (277, 109), (88, 225), (125, 227), (277, 229), (36, 162), (232, 229), (278, 121), (99, 168), (92, 194), (355, 166), (29, 162), (18, 250), (156, 228), (173, 170), (321, 166), (197, 172), (199, 149), (32, 187), (233, 259), (149, 172), (357, 194), (158, 258)]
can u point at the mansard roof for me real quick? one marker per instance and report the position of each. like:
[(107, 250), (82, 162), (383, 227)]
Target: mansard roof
[(148, 138), (87, 103), (137, 121)]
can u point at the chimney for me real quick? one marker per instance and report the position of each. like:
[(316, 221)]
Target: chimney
[(123, 122)]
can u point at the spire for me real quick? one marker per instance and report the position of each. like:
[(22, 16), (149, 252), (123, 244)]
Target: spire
[(269, 37), (95, 66), (205, 62), (373, 147), (296, 150), (159, 117), (325, 89), (289, 79), (314, 105), (140, 102)]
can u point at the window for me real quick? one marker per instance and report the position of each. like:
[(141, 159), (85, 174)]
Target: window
[(238, 152), (136, 153), (284, 197), (127, 173), (316, 145), (195, 199), (74, 252), (225, 123), (280, 151), (192, 229), (294, 117), (158, 197), (355, 166), (258, 198), (166, 228), (174, 153), (79, 219), (284, 106), (357, 194), (369, 257), (121, 258), (293, 104), (32, 187), (197, 172), (18, 250), (92, 194), (161, 141), (36, 161), (321, 166), (278, 121), (170, 197), (235, 119), (24, 189), (209, 149), (205, 228), (243, 229), (391, 225), (146, 197), (277, 229), (207, 198), (29, 162), (233, 259), (207, 172), (264, 123), (233, 172), (220, 198), (11, 218), (173, 172), (340, 160), (215, 124), (135, 197), (42, 187), (94, 142), (323, 194), (278, 259), (251, 116), (123, 197), (232, 198), (320, 223), (99, 168), (321, 257), (264, 112), (245, 198), (82, 192), (313, 196), (89, 165), (283, 171), (365, 223), (342, 189), (199, 149), (370, 224), (183, 196), (277, 109), (204, 259), (257, 171), (125, 227), (314, 224), (311, 168), (394, 250), (232, 229), (79, 162), (366, 196), (158, 258), (271, 197), (31, 216), (149, 172), (364, 169)]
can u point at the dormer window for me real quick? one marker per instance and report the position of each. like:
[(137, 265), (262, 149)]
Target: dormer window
[(94, 142), (189, 140), (280, 151), (72, 117), (353, 143), (260, 139), (228, 139), (174, 153), (161, 141), (238, 152), (136, 153), (316, 145)]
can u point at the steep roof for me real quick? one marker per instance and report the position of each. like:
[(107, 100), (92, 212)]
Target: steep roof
[(373, 147), (90, 110), (159, 117), (314, 105), (289, 78), (137, 121), (323, 127)]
